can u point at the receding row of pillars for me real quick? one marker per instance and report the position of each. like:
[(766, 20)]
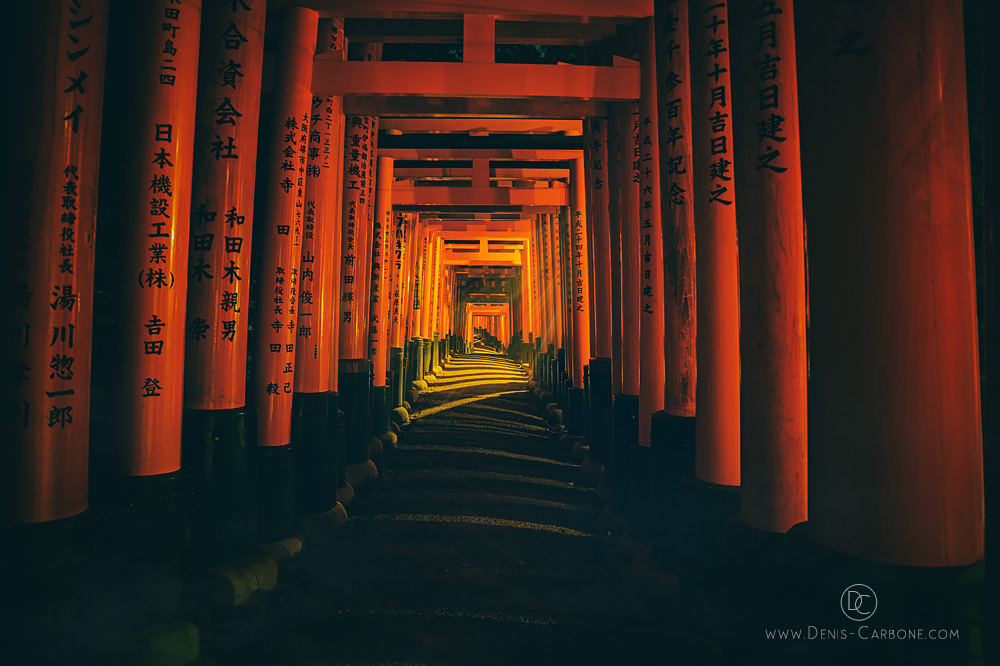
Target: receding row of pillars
[(836, 387), (669, 305), (350, 297)]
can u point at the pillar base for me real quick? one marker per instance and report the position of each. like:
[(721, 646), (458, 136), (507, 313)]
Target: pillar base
[(218, 451), (576, 408), (638, 510), (275, 493), (600, 401), (355, 401), (400, 416), (315, 457), (672, 442), (626, 434), (345, 494), (362, 473), (321, 523)]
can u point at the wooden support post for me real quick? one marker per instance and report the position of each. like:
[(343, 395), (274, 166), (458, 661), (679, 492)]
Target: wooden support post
[(48, 259), (378, 322), (652, 303), (316, 435), (355, 368), (773, 420), (156, 190), (893, 349), (278, 282), (717, 457), (216, 414), (479, 38)]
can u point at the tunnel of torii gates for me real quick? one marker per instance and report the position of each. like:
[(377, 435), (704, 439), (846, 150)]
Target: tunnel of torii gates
[(290, 240)]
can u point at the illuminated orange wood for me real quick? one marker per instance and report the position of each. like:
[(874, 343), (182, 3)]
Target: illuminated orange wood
[(580, 276), (400, 278), (382, 236), (717, 451), (228, 108), (677, 201), (651, 335), (370, 225), (354, 267), (48, 262), (156, 189), (596, 138), (616, 165), (474, 79), (319, 272), (773, 416), (893, 349), (280, 230), (576, 10)]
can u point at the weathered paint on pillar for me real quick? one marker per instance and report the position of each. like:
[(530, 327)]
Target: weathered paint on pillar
[(652, 303), (895, 446), (156, 189), (370, 217), (399, 265), (581, 275), (319, 272), (354, 271), (616, 165), (632, 259), (280, 229), (48, 265), (673, 66), (218, 299), (382, 234), (717, 450), (571, 327), (596, 137), (555, 278), (772, 267)]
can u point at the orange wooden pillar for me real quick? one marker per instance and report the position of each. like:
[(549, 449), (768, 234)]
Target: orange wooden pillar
[(599, 372), (717, 451), (48, 260), (626, 402), (278, 279), (564, 236), (652, 300), (378, 320), (771, 262), (677, 205), (154, 202), (355, 368), (615, 167), (400, 274), (433, 301), (893, 348), (579, 293), (317, 436), (217, 421)]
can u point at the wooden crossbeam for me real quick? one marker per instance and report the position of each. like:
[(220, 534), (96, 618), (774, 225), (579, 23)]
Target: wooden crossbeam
[(486, 196), (475, 79)]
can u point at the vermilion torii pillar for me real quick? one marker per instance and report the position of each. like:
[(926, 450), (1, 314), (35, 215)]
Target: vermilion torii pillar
[(319, 446), (771, 262), (614, 181), (674, 109), (156, 198), (355, 368), (717, 451), (599, 227), (378, 323), (893, 349), (652, 303), (48, 262), (216, 419), (402, 231), (278, 284)]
